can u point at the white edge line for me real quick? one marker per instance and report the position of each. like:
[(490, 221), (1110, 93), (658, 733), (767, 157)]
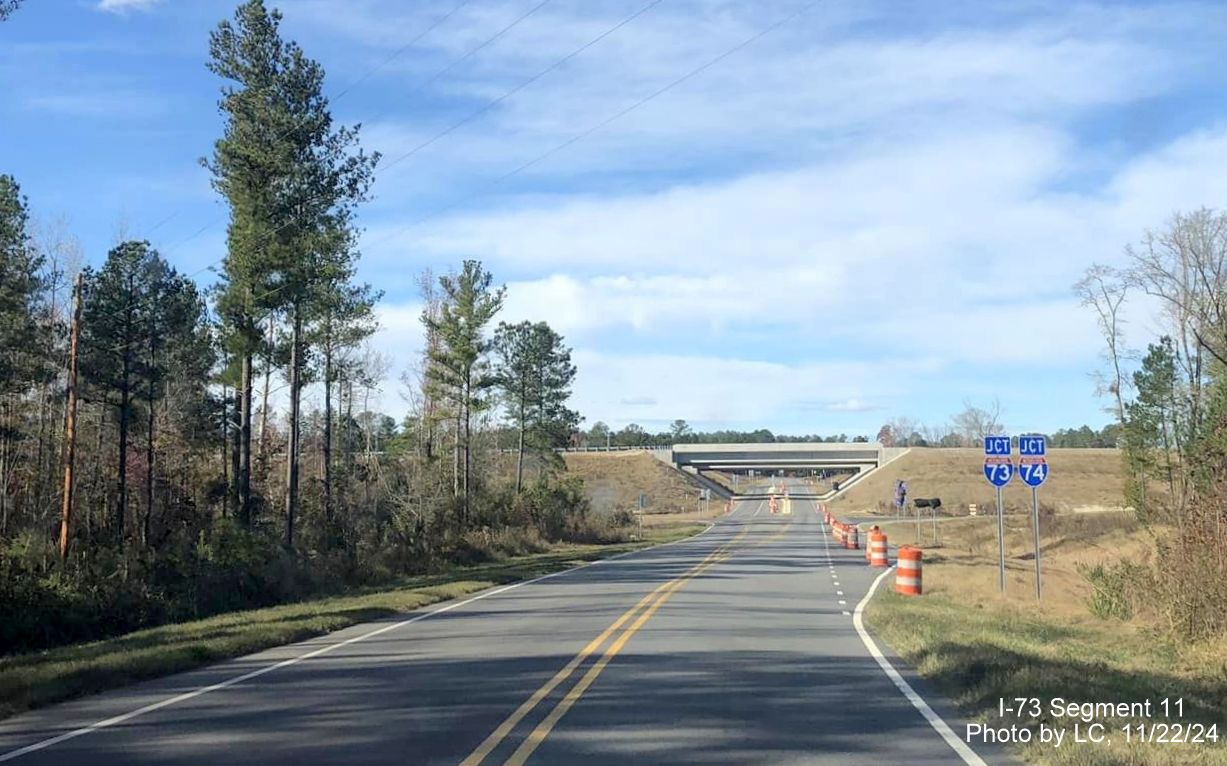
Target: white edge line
[(940, 726), (109, 722)]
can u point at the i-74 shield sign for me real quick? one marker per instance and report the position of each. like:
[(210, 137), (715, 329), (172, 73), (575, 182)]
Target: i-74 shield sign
[(1033, 470)]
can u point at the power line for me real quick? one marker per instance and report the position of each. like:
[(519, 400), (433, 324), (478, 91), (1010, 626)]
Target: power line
[(555, 65), (603, 123), (576, 138), (396, 53), (370, 71), (435, 76), (558, 63)]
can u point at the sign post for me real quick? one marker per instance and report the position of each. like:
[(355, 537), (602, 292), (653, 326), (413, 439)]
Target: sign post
[(998, 469), (1033, 470)]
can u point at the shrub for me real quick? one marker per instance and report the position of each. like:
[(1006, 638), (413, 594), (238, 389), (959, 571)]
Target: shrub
[(1116, 588)]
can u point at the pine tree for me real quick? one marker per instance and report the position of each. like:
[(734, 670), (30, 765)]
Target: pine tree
[(24, 329), (535, 374), (113, 338), (23, 316), (178, 351), (293, 181), (459, 364), (344, 318)]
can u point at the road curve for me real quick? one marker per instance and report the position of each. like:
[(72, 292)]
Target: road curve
[(733, 647)]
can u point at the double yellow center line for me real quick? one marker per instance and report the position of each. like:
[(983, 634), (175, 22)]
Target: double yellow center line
[(645, 608)]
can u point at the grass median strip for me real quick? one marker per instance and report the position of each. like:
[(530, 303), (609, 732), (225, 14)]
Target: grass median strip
[(34, 680)]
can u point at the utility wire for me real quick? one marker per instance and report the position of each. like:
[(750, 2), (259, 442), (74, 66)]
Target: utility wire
[(370, 71), (602, 124), (555, 65), (482, 110), (577, 137), (345, 91)]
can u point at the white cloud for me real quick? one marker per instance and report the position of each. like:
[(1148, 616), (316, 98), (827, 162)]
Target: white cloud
[(126, 6), (954, 253), (852, 405), (820, 224)]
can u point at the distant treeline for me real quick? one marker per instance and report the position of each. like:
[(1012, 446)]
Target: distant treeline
[(634, 435)]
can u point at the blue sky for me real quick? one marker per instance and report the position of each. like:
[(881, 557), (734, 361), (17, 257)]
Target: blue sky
[(877, 209)]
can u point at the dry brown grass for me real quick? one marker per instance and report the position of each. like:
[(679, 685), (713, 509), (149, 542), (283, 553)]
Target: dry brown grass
[(962, 564), (977, 644), (614, 481), (1081, 478)]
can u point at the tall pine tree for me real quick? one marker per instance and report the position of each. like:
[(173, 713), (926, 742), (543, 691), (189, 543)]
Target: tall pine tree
[(293, 181)]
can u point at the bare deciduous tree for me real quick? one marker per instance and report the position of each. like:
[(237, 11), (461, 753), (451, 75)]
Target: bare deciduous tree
[(1105, 290), (974, 423), (1185, 267)]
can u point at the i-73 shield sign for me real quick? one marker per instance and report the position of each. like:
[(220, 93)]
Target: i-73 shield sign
[(998, 470)]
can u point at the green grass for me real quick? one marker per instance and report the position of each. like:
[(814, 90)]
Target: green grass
[(976, 654), (33, 680)]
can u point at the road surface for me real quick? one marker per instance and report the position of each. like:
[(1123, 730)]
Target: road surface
[(734, 647)]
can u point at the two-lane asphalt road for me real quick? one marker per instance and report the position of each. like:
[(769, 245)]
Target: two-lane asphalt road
[(734, 647)]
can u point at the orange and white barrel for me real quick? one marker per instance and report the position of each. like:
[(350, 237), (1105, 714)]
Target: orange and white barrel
[(837, 531), (878, 556), (869, 539), (907, 576), (852, 538)]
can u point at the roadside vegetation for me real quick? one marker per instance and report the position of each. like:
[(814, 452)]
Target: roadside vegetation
[(1134, 602), (173, 450), (1089, 639), (41, 678)]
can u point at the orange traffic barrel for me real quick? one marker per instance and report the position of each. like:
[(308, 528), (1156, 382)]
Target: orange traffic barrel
[(837, 531), (852, 538), (907, 578), (877, 551), (869, 539)]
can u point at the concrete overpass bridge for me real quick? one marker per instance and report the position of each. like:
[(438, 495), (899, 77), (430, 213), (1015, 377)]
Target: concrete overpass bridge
[(798, 456)]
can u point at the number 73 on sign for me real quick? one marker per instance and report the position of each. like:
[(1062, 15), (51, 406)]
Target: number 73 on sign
[(998, 470)]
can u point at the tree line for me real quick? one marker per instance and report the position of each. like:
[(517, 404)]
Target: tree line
[(170, 449), (967, 429)]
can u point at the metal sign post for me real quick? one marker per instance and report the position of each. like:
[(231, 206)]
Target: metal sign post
[(1033, 470), (998, 469)]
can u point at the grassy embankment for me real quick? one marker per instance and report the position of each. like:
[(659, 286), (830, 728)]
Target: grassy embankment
[(977, 645), (34, 680), (614, 480), (1082, 479)]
